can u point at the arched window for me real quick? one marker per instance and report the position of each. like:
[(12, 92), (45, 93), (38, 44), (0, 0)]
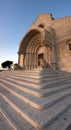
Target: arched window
[(41, 25)]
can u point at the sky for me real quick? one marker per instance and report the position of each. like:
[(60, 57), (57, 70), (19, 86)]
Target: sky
[(16, 16)]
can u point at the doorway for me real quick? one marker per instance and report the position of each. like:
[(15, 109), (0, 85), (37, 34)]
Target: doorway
[(40, 57)]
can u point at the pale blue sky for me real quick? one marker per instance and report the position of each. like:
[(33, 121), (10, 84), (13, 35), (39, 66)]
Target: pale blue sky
[(16, 16)]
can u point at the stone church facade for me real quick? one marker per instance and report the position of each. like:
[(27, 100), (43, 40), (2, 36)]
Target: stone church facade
[(47, 43)]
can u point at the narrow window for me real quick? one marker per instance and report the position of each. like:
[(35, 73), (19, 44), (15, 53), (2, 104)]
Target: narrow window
[(69, 46)]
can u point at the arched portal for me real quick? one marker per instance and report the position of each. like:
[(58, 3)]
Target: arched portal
[(33, 51)]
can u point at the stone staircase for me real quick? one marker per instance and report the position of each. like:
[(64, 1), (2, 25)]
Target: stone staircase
[(34, 99)]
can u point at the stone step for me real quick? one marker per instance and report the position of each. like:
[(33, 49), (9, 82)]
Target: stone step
[(39, 100), (37, 79), (37, 72), (41, 79), (4, 124), (52, 74), (22, 78), (46, 71), (38, 119), (32, 71), (26, 74), (13, 118), (45, 85), (37, 103), (61, 123), (21, 83), (36, 92), (35, 85)]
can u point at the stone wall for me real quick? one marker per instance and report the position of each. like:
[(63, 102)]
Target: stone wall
[(56, 34), (64, 56), (63, 35)]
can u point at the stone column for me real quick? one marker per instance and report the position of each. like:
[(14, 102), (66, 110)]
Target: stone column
[(53, 61), (25, 60), (29, 60), (21, 63), (35, 60), (48, 55), (44, 53), (18, 58)]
